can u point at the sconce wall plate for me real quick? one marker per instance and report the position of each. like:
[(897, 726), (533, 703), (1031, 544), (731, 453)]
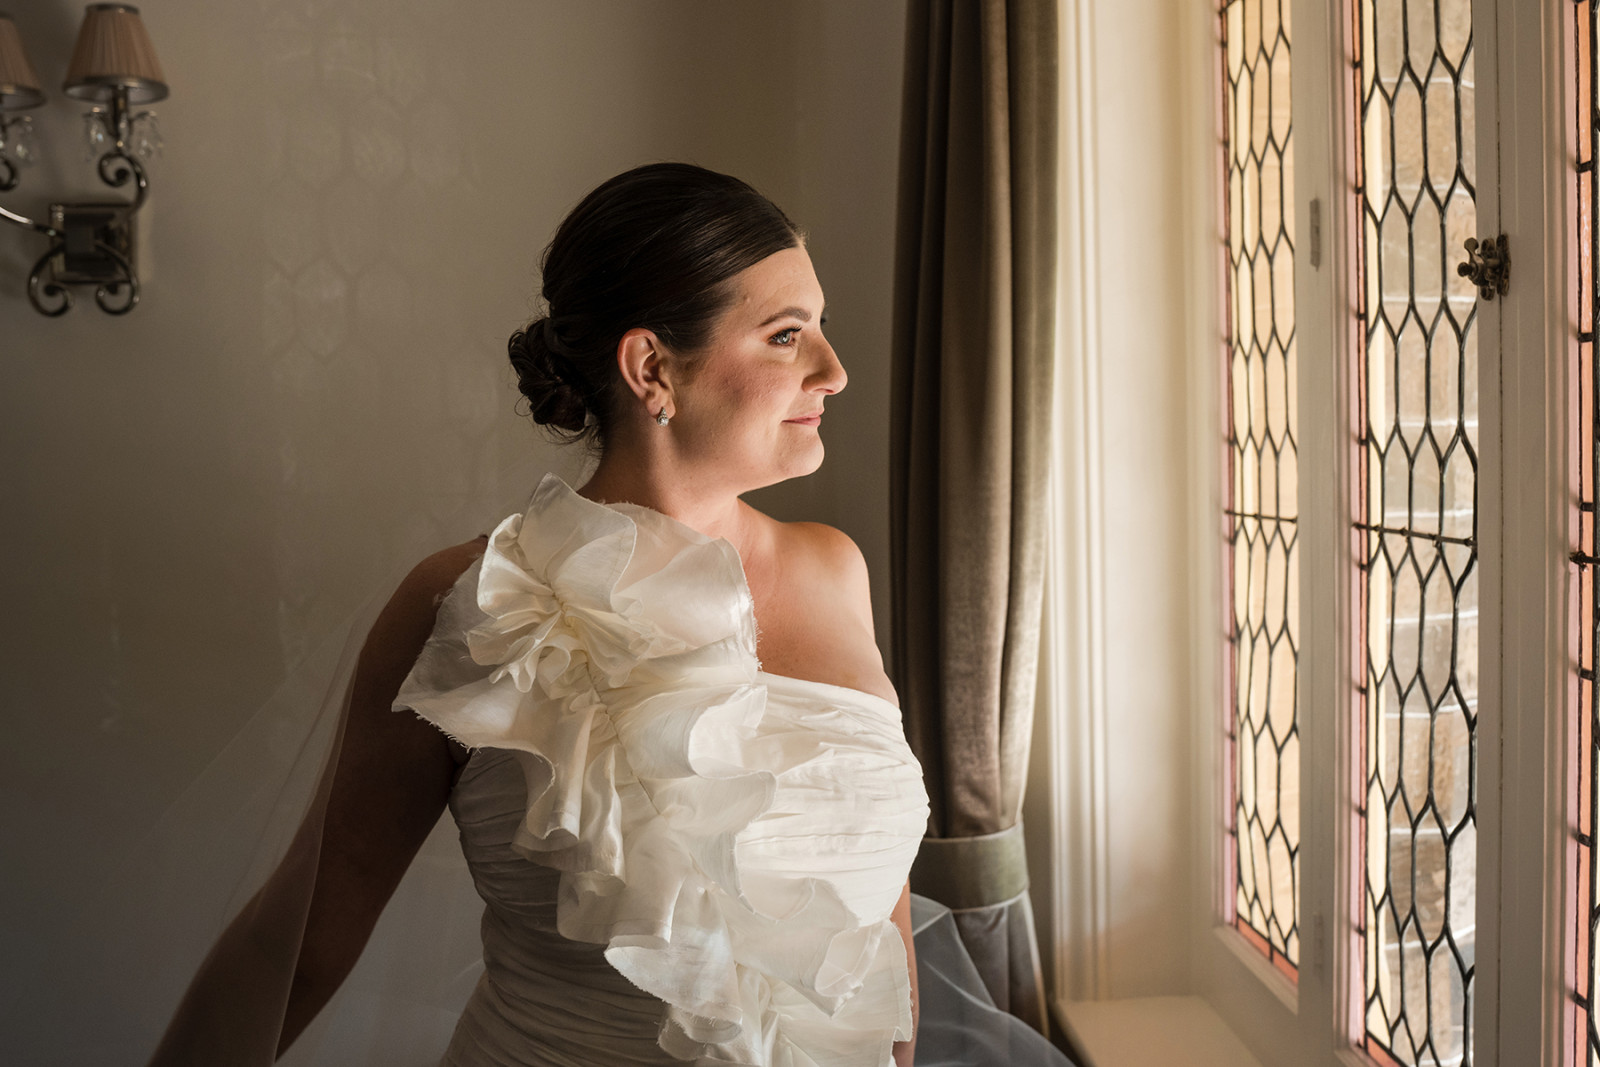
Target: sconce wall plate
[(95, 238), (96, 247)]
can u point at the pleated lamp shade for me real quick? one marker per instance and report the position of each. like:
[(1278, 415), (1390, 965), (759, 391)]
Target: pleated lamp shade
[(113, 52), (19, 83)]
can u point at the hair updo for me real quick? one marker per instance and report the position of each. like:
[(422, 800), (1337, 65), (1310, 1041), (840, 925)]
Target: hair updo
[(653, 248)]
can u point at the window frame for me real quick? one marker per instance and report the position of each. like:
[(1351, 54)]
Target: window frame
[(1526, 1001), (1125, 68), (1521, 893)]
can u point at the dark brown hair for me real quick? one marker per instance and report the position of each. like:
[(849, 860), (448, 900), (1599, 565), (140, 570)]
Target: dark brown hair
[(653, 248)]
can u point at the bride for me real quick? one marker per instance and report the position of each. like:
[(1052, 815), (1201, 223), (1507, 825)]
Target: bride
[(658, 716)]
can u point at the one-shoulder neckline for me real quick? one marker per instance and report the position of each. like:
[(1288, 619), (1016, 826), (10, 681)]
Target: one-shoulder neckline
[(630, 511), (626, 508)]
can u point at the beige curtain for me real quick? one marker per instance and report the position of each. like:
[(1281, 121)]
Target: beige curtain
[(973, 352)]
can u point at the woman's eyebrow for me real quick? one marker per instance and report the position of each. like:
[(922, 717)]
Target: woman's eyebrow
[(789, 312)]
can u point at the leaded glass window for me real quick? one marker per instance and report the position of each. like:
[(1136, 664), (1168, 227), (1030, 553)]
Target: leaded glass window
[(1263, 497), (1416, 531)]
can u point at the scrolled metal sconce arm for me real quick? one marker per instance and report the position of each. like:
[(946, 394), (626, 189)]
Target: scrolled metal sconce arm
[(22, 220)]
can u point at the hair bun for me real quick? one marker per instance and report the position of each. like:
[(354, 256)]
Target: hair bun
[(546, 379)]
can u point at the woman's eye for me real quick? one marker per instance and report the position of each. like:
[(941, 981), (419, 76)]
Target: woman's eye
[(784, 337)]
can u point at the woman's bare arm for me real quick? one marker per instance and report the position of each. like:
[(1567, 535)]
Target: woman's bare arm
[(390, 784)]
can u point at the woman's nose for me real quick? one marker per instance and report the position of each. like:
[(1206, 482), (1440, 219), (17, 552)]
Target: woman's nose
[(829, 377)]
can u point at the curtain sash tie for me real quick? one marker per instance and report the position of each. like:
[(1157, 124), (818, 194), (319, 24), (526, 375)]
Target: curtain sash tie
[(967, 873)]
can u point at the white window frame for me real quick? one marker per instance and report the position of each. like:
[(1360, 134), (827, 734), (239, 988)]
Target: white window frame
[(1520, 997)]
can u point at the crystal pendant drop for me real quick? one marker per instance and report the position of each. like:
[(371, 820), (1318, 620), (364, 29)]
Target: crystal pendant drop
[(96, 134), (24, 147), (146, 135), (16, 140)]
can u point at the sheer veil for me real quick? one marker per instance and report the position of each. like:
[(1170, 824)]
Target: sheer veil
[(136, 940)]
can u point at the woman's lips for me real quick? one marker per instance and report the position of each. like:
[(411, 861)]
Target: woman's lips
[(807, 420)]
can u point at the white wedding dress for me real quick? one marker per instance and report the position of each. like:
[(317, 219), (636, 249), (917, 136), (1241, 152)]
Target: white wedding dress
[(681, 857)]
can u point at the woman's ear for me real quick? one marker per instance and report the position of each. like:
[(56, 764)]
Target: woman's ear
[(643, 365)]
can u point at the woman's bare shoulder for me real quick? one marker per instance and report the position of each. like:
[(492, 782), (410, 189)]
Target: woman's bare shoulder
[(434, 576), (396, 640), (824, 557), (826, 545), (408, 618), (814, 606)]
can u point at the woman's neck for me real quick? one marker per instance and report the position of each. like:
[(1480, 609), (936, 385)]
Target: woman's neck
[(712, 510)]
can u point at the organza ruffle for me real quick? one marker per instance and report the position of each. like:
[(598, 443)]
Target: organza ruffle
[(612, 650)]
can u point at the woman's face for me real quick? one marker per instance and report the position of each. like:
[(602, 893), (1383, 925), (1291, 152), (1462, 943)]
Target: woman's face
[(748, 410)]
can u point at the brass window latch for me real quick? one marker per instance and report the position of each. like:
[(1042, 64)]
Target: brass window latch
[(1488, 266)]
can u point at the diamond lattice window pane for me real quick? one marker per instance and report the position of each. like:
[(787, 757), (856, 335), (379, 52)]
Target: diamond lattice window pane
[(1416, 540), (1263, 479)]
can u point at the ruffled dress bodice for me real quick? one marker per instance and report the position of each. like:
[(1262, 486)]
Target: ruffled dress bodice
[(682, 857)]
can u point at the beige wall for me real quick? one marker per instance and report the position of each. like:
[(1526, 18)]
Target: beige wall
[(1143, 418), (345, 227)]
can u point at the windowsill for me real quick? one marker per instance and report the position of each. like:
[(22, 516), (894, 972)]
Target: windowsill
[(1151, 1032), (1287, 992)]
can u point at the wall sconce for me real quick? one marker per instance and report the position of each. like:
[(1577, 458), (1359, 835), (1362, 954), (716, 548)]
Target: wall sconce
[(113, 66)]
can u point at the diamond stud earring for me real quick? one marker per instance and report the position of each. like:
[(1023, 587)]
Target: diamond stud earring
[(662, 418)]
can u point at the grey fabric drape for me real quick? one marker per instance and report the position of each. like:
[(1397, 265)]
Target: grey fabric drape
[(970, 424)]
